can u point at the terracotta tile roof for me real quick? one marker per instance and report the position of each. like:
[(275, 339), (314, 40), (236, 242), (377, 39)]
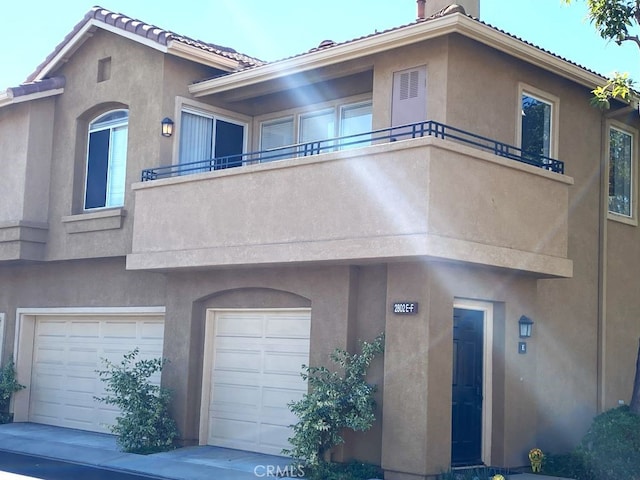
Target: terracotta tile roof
[(37, 86), (451, 9), (149, 32)]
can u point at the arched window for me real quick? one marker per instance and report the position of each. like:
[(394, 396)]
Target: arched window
[(107, 160)]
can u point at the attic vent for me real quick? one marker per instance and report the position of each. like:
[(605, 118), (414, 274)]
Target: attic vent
[(104, 69), (409, 82)]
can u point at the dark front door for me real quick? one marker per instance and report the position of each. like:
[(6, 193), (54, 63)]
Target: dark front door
[(466, 424)]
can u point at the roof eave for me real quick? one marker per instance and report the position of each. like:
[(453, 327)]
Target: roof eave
[(7, 99), (198, 55), (174, 47), (80, 37), (448, 24)]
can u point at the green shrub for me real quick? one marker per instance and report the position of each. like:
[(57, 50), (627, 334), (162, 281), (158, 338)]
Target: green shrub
[(8, 386), (569, 465), (344, 471), (610, 450), (144, 425), (611, 447), (335, 401)]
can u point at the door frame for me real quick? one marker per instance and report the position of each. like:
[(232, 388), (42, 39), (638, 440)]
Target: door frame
[(487, 370), (208, 357)]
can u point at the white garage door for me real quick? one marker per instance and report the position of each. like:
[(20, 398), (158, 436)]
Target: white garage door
[(257, 359), (67, 351)]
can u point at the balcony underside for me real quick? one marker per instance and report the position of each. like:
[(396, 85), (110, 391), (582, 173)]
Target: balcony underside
[(420, 198)]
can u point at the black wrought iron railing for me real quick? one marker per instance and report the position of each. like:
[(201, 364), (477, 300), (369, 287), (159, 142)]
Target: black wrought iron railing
[(414, 130)]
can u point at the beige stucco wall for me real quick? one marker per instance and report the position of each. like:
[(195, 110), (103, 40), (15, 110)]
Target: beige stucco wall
[(567, 324), (347, 305), (144, 81), (418, 372)]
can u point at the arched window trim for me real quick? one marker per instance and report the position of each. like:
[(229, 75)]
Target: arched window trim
[(106, 160)]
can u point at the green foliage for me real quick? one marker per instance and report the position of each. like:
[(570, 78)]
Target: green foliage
[(336, 400), (610, 450), (474, 473), (144, 425), (619, 86), (611, 447), (569, 465), (8, 386), (344, 471), (613, 20)]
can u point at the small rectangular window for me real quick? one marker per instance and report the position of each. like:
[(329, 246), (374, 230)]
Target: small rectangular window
[(356, 123), (315, 127), (274, 135), (620, 172)]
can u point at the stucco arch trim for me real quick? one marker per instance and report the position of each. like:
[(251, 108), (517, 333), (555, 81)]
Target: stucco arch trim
[(254, 297)]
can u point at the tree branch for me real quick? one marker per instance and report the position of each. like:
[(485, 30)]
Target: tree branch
[(631, 38)]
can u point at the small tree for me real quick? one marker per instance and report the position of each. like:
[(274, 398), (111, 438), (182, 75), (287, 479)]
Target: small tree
[(144, 425), (8, 386), (614, 20), (336, 400)]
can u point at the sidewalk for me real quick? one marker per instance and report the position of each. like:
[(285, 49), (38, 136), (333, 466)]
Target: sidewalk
[(100, 450), (189, 463)]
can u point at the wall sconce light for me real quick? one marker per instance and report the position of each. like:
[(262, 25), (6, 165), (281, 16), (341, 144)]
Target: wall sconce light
[(167, 127), (526, 325)]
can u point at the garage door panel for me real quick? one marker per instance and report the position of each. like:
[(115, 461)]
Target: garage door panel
[(274, 436), (235, 433), (231, 398), (151, 331), (120, 330), (67, 353), (287, 327), (249, 326), (50, 328), (284, 363), (238, 360), (257, 361)]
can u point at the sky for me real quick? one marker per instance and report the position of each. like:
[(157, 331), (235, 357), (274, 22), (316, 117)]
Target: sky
[(275, 29)]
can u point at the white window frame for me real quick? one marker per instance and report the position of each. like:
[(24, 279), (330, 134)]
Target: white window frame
[(545, 97), (111, 127), (336, 106), (206, 110), (631, 219)]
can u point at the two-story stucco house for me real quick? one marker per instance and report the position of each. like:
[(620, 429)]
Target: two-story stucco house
[(440, 181)]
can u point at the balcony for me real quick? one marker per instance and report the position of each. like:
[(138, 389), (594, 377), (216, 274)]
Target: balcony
[(419, 191)]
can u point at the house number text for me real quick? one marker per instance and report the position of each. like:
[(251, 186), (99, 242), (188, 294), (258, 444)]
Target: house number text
[(405, 308)]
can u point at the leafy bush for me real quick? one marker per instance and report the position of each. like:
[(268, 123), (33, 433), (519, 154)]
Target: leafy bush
[(8, 386), (336, 400), (611, 447), (344, 471), (569, 465), (610, 450), (144, 425)]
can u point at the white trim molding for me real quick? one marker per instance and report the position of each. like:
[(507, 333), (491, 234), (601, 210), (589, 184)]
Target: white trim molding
[(487, 370)]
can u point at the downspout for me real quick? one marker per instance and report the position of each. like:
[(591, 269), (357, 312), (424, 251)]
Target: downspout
[(602, 267)]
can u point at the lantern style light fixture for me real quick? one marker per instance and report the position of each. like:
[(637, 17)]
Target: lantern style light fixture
[(526, 325), (167, 127)]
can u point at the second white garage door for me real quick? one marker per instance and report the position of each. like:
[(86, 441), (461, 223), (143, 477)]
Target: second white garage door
[(255, 360), (67, 351)]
